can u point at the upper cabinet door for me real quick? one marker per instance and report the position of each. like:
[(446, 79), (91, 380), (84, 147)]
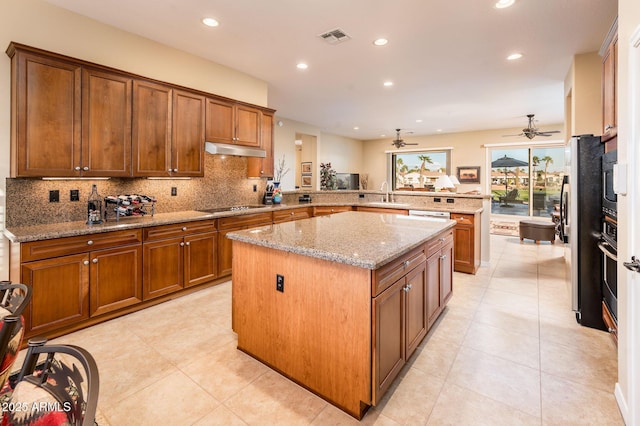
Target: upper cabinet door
[(46, 96), (247, 126), (609, 83), (106, 124), (151, 129), (188, 134), (220, 121)]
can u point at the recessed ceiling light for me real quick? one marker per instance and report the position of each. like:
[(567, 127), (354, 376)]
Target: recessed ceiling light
[(383, 136), (501, 4), (388, 83), (438, 130), (210, 22), (380, 41), (356, 128), (419, 120), (514, 56), (302, 66)]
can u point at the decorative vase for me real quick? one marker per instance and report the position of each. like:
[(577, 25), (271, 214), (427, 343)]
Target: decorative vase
[(277, 199), (276, 184)]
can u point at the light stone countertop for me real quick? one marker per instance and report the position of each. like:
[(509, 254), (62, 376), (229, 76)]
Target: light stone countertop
[(69, 229), (367, 240)]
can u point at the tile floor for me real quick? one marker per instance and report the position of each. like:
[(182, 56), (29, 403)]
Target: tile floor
[(506, 351)]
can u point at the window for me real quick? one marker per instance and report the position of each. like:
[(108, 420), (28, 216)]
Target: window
[(418, 170), (526, 181)]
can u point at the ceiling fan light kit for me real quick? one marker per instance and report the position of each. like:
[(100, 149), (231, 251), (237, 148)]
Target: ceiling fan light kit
[(399, 143), (532, 131)]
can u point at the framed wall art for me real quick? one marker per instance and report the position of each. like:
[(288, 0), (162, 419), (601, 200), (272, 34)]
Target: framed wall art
[(306, 181), (306, 168), (469, 174)]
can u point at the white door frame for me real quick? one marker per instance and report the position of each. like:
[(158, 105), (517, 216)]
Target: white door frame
[(630, 323)]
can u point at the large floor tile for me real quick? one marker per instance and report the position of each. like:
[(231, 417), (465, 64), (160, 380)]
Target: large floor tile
[(507, 382), (459, 406), (516, 347), (508, 319), (435, 356)]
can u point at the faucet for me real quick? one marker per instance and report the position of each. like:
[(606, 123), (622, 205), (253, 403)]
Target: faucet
[(386, 195)]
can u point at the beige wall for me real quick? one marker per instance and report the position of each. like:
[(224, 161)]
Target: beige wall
[(467, 147), (583, 87)]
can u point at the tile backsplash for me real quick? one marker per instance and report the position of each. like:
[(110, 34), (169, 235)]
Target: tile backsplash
[(225, 183)]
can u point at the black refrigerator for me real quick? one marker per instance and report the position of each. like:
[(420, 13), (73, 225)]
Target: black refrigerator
[(581, 225)]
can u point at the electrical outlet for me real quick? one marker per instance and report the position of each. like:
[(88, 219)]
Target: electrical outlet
[(450, 200), (74, 195), (437, 200), (255, 188), (280, 283), (54, 196), (174, 191), (360, 195)]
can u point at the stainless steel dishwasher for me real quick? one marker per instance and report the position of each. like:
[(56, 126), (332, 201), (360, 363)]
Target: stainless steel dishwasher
[(430, 214)]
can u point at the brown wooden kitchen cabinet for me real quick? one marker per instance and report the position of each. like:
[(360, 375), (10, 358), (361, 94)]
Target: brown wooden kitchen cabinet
[(232, 123), (187, 145), (45, 115), (439, 274), (178, 256), (326, 210), (75, 278), (609, 86), (400, 315), (287, 215), (263, 167), (467, 243), (235, 223)]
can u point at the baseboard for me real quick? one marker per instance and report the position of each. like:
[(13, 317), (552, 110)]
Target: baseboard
[(485, 263), (622, 403)]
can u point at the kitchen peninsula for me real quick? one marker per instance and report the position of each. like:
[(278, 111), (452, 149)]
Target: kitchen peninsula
[(339, 303)]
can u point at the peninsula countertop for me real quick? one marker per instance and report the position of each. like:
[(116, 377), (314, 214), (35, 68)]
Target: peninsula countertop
[(367, 240)]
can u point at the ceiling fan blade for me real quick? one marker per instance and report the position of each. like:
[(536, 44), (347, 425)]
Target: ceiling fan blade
[(521, 134), (549, 131)]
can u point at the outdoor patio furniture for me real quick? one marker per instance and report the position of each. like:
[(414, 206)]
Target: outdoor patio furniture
[(511, 196), (538, 231)]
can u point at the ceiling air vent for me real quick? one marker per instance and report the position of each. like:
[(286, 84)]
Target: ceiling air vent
[(335, 36)]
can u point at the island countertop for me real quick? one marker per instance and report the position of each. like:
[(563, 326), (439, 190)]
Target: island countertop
[(366, 240)]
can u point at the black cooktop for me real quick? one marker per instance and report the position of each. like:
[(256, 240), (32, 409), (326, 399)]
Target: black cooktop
[(232, 208)]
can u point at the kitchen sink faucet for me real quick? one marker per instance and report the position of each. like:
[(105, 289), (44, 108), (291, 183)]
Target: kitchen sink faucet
[(386, 194)]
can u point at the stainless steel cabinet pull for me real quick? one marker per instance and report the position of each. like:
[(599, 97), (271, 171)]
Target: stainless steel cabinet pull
[(603, 246), (86, 262), (85, 168), (187, 244), (405, 289), (175, 170), (77, 168), (184, 228), (95, 260), (608, 127), (181, 244), (634, 265), (90, 242), (443, 257), (405, 263)]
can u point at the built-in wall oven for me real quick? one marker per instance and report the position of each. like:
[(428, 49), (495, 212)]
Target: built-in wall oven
[(609, 249)]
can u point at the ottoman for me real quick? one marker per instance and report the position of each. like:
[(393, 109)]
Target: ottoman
[(537, 231)]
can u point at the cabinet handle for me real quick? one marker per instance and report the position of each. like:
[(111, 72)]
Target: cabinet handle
[(77, 168), (292, 213), (405, 263), (443, 257), (85, 168), (90, 242), (608, 127), (405, 289), (184, 228), (169, 170), (86, 262), (611, 330), (95, 260), (187, 244), (441, 240), (175, 170), (181, 244)]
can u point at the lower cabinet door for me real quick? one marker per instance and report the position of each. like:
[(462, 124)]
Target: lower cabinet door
[(115, 278), (446, 273), (416, 307), (434, 298), (200, 258), (60, 292), (163, 267), (389, 335)]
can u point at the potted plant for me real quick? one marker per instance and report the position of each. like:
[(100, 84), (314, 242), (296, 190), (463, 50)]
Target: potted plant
[(328, 179)]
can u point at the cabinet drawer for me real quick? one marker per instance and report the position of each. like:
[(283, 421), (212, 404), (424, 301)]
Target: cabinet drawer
[(255, 219), (394, 270), (462, 219), (178, 229), (291, 214), (435, 244), (37, 250), (323, 210)]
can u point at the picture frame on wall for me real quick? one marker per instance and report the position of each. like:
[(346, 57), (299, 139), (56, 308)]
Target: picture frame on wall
[(306, 168), (469, 174), (306, 181)]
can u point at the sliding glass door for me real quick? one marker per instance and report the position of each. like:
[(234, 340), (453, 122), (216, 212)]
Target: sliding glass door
[(526, 181)]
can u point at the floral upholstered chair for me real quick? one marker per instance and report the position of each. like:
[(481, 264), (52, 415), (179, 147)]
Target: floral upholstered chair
[(14, 298), (57, 385)]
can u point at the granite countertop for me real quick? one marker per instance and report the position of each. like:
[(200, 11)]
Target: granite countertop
[(367, 240), (69, 229)]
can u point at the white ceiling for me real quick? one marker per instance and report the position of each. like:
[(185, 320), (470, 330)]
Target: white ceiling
[(446, 58)]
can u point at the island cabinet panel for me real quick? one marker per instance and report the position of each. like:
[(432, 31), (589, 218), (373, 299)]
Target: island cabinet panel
[(106, 123), (45, 115), (467, 243), (235, 223), (288, 215), (316, 332), (152, 104)]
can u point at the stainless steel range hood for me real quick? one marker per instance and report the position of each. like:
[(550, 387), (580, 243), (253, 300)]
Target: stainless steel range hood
[(228, 149)]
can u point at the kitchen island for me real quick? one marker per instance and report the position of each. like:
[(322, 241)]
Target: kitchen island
[(339, 303)]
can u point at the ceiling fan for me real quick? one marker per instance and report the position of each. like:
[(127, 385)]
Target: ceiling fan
[(531, 131), (399, 143)]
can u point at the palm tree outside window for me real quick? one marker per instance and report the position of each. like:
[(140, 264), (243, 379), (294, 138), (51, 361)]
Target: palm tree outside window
[(418, 171)]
